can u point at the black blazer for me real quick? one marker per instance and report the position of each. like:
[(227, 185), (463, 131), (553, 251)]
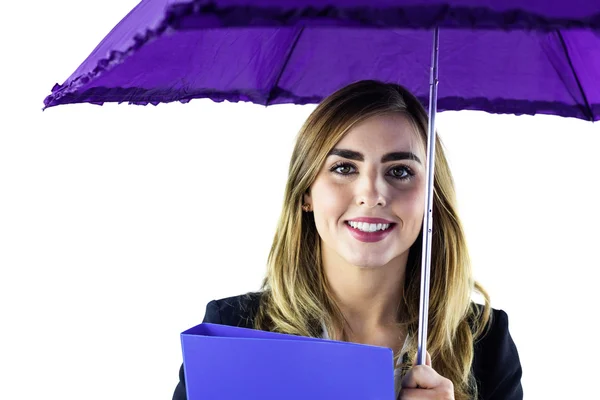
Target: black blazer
[(496, 364)]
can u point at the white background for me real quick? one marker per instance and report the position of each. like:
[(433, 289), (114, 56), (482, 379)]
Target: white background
[(119, 223)]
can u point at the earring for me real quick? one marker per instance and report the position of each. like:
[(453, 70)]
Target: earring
[(306, 207)]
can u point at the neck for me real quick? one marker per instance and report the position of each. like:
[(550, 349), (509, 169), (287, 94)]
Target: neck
[(367, 297)]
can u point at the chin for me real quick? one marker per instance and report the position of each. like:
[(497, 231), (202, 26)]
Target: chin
[(368, 262)]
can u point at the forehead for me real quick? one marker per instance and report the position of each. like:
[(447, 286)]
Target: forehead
[(382, 134)]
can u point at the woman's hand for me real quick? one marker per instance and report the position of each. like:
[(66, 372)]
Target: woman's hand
[(423, 383)]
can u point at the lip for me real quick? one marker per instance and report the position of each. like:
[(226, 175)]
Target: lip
[(371, 220), (370, 237)]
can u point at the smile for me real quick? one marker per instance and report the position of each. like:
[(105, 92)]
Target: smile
[(369, 233), (366, 227)]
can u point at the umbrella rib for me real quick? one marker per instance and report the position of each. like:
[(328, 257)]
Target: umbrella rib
[(588, 109), (285, 63)]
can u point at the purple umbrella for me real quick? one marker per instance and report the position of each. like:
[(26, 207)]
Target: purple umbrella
[(499, 56)]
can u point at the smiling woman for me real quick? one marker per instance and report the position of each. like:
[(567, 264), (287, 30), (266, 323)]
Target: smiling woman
[(345, 260)]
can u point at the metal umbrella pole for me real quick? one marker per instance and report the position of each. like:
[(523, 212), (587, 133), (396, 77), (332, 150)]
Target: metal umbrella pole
[(428, 217)]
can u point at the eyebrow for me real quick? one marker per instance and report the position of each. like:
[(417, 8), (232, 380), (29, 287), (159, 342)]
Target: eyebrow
[(394, 156)]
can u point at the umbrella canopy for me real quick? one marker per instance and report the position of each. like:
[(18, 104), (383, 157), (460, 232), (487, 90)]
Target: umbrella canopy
[(499, 56)]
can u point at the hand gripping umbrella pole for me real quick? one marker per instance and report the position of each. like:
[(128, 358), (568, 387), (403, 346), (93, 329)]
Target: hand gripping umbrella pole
[(428, 215)]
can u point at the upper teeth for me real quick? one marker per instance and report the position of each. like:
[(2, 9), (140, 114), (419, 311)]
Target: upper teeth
[(365, 227)]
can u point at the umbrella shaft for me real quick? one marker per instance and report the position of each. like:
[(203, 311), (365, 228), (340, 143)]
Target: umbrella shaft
[(428, 215)]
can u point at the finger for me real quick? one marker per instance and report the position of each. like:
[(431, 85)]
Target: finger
[(417, 394), (421, 376), (427, 360)]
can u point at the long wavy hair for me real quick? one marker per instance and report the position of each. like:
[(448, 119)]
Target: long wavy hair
[(296, 298)]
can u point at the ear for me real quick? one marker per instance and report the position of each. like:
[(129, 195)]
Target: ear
[(306, 199)]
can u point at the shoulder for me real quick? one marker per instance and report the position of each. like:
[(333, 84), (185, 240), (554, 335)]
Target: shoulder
[(233, 311), (496, 363), (496, 335)]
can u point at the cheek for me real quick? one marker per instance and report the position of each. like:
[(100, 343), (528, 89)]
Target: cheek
[(410, 205), (330, 200)]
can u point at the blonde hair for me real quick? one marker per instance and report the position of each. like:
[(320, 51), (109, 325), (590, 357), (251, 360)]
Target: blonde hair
[(296, 297)]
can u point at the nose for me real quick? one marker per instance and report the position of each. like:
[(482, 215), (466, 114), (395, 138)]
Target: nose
[(370, 190)]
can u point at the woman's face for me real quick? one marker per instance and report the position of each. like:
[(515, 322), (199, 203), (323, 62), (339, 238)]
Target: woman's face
[(368, 198)]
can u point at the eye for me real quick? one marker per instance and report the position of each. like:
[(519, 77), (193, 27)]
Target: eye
[(343, 168), (401, 172)]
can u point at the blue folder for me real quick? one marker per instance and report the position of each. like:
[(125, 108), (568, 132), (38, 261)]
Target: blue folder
[(229, 363)]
